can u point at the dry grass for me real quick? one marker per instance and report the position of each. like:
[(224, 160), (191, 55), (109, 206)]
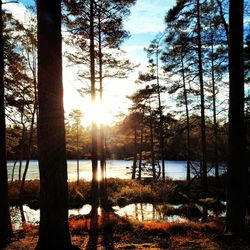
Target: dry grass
[(149, 235)]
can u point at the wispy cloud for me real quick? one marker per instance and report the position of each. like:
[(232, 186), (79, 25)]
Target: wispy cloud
[(17, 9), (148, 16)]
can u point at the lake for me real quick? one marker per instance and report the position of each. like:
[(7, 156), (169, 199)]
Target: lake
[(115, 169), (135, 211)]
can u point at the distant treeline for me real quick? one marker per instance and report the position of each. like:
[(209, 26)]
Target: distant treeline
[(120, 141)]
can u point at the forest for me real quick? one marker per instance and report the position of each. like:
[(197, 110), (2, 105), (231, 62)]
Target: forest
[(190, 103)]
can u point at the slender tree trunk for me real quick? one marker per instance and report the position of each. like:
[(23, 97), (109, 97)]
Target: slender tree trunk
[(214, 110), (77, 152), (22, 150), (53, 229), (28, 151), (188, 122), (152, 142), (135, 154), (13, 170), (31, 135), (5, 224), (224, 22), (203, 124), (95, 195), (103, 183), (22, 214), (237, 171), (161, 116), (140, 153)]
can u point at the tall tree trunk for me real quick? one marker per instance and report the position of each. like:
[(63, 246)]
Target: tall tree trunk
[(216, 164), (161, 115), (237, 171), (135, 155), (5, 224), (22, 149), (103, 182), (53, 229), (140, 154), (13, 171), (223, 20), (31, 135), (188, 122), (95, 199), (22, 215), (203, 124), (28, 151), (152, 142), (77, 152)]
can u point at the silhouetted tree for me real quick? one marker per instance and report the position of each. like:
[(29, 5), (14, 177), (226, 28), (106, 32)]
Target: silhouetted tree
[(176, 60), (94, 155), (5, 224), (237, 170), (53, 229), (202, 96), (155, 50), (76, 116)]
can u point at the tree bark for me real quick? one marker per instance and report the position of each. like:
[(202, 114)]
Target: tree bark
[(187, 118), (152, 142), (95, 199), (135, 154), (140, 154), (237, 171), (224, 22), (103, 182), (161, 116), (30, 144), (202, 95), (5, 223), (216, 164), (77, 152), (53, 229), (13, 171), (22, 148)]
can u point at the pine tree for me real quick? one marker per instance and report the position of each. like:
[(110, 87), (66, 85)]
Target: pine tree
[(5, 225), (53, 229)]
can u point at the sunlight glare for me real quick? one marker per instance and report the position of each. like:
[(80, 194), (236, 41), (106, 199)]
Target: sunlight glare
[(98, 113), (99, 175)]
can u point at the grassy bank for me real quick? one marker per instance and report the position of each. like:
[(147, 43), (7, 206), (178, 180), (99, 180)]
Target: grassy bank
[(123, 233), (114, 232), (123, 192)]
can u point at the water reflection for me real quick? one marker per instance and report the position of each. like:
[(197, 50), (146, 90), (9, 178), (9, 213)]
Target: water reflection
[(31, 216), (80, 211), (115, 169), (137, 211), (147, 212)]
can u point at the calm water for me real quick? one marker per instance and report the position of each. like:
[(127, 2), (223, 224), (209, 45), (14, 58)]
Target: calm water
[(115, 169), (136, 211)]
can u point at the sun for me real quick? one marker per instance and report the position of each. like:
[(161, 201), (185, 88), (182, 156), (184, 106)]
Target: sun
[(105, 112), (98, 113)]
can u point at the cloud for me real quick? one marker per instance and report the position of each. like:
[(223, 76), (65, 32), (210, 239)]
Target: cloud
[(148, 16), (146, 20), (131, 48), (19, 11)]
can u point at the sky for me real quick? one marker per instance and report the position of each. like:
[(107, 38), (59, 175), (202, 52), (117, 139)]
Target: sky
[(144, 23)]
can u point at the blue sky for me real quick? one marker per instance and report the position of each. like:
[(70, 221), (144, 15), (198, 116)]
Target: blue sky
[(27, 2), (144, 23)]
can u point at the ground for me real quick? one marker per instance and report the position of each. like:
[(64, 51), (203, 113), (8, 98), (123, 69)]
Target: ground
[(119, 233), (115, 232)]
